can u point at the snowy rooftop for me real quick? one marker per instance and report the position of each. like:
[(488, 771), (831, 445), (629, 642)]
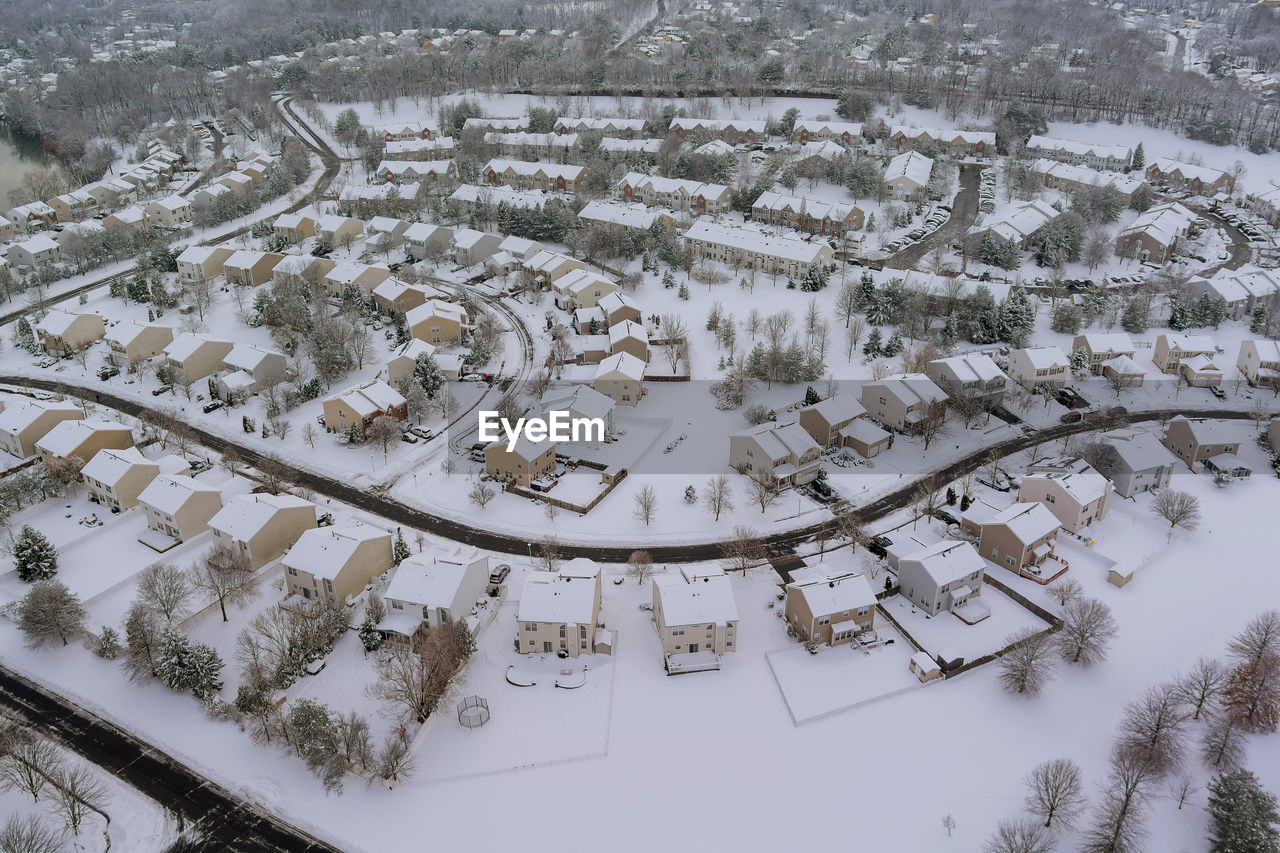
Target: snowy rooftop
[(974, 367), (750, 237), (18, 416), (1107, 342), (699, 600), (1141, 451), (835, 593), (839, 408), (244, 515), (911, 165), (69, 435), (948, 560), (558, 597), (621, 362), (169, 493), (325, 551), (526, 168), (1044, 358), (109, 465), (56, 322), (186, 344)]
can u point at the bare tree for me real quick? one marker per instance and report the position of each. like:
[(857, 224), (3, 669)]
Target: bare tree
[(926, 499), (1027, 666), (273, 474), (1065, 591), (1182, 787), (231, 462), (395, 758), (1180, 509), (481, 495), (29, 834), (1054, 792), (1222, 746), (1087, 631), (763, 488), (226, 575), (80, 791), (548, 557), (646, 504), (418, 681), (309, 434), (50, 612), (949, 824), (1119, 824), (64, 470), (1154, 729), (745, 550), (1252, 695), (29, 764), (640, 566), (717, 495), (1202, 685), (1259, 638), (849, 527), (165, 589), (931, 428), (1018, 836), (383, 430)]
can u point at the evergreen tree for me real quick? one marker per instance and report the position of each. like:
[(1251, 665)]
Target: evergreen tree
[(1244, 815), (668, 280), (811, 396), (879, 308), (370, 637), (1139, 157), (108, 645), (950, 330), (186, 666), (1180, 318), (1067, 318), (1017, 317), (893, 346), (1137, 316), (1259, 321), (399, 550), (24, 337), (1202, 310), (867, 285), (756, 361), (683, 293), (979, 317), (875, 340), (1081, 369), (33, 555), (428, 374)]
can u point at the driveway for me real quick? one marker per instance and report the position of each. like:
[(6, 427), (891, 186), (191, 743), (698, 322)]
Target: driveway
[(964, 209)]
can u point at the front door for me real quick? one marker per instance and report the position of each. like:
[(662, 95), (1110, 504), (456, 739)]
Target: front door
[(693, 647), (546, 645)]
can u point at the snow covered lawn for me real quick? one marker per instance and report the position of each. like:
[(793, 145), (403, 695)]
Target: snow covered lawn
[(946, 631)]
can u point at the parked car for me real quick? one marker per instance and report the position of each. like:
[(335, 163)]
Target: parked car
[(1071, 418), (499, 574), (107, 371), (879, 545), (408, 438), (1217, 392), (212, 406), (945, 517)]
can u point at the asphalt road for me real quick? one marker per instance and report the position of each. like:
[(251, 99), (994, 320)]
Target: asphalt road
[(964, 209), (223, 820)]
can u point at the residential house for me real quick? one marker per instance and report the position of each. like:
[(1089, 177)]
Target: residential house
[(1070, 488), (335, 230), (1154, 235), (294, 227), (520, 462), (24, 423), (559, 611), (1259, 362), (629, 217), (973, 377), (1073, 179), (62, 333), (432, 589), (1123, 372), (581, 401), (1195, 439), (132, 343), (424, 240), (620, 377), (548, 267), (249, 268), (354, 274), (696, 618), (356, 408), (751, 247), (1032, 367), (904, 401), (580, 288), (82, 438), (415, 172), (1021, 538), (617, 307), (192, 356), (1018, 225), (1198, 180), (825, 419), (830, 606), (332, 565), (115, 477), (172, 211), (957, 143), (472, 247), (202, 263), (437, 322), (676, 194), (907, 175), (524, 175), (945, 576), (34, 252), (301, 269), (1102, 347), (1114, 158), (1141, 463), (33, 215), (421, 149), (785, 452), (630, 337), (730, 130), (834, 219), (248, 369), (262, 526), (179, 506), (1172, 349), (129, 220), (397, 297), (1240, 290), (846, 133)]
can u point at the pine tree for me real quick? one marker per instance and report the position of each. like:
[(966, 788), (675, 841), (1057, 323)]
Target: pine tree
[(683, 292), (1258, 323), (1137, 316), (875, 340), (1244, 815), (950, 330), (33, 556), (1016, 318), (24, 337), (893, 346), (186, 666), (1081, 369), (108, 646), (1180, 318), (810, 396), (428, 374), (668, 280), (399, 550), (1139, 157)]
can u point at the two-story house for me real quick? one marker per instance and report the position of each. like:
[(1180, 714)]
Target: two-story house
[(785, 452)]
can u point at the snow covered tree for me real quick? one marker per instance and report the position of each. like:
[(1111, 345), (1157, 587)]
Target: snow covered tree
[(165, 589), (399, 549), (370, 637), (1055, 792), (1018, 836), (646, 504), (48, 612), (1120, 822), (1081, 368), (1139, 158), (29, 834), (383, 430), (1067, 318), (142, 641), (1259, 638), (1016, 318), (893, 346), (225, 574), (1244, 815), (1087, 631), (1028, 664), (810, 396), (108, 645), (1259, 321), (1180, 317), (416, 402), (1200, 687), (875, 343), (717, 495), (640, 566), (1137, 315), (427, 374), (33, 555), (187, 666)]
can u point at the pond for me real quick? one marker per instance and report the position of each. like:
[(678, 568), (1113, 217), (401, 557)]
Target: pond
[(18, 155)]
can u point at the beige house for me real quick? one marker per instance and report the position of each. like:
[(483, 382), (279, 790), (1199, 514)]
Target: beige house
[(1103, 347), (1071, 489), (294, 227), (785, 451), (828, 605), (294, 269), (24, 423), (395, 296), (629, 337), (521, 461), (193, 357), (618, 306), (357, 407), (437, 322), (402, 363), (907, 175), (422, 240), (431, 589), (1174, 348), (904, 401), (524, 175), (115, 478), (547, 267), (751, 247), (201, 263), (1194, 440), (132, 343), (330, 565), (248, 368), (969, 377), (559, 611), (83, 439), (129, 220), (696, 618), (172, 211), (262, 527), (621, 378), (580, 288), (1259, 362), (365, 276), (1032, 367), (61, 333), (249, 268), (825, 419), (1020, 537), (338, 230), (179, 506)]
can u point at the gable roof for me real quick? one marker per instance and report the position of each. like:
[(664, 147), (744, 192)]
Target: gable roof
[(244, 516), (703, 599), (169, 493), (558, 597), (70, 434), (325, 551)]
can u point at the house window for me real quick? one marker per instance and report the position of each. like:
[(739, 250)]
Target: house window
[(677, 632), (396, 605)]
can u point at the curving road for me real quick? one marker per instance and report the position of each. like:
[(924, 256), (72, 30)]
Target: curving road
[(223, 820)]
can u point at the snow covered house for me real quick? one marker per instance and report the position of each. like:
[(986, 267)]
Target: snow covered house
[(179, 506), (249, 368), (335, 230), (61, 333), (945, 576), (397, 297), (785, 452), (1070, 488), (1020, 537), (521, 461), (630, 337), (846, 133), (957, 143), (1152, 237), (581, 401), (115, 477), (559, 611), (907, 175), (696, 617), (331, 565), (904, 401), (632, 217), (751, 247), (1141, 463), (826, 419), (1113, 158), (250, 268), (580, 288), (473, 247), (35, 251), (82, 438), (1259, 362), (201, 263), (1102, 347), (261, 526), (1199, 180), (621, 378), (437, 322), (973, 376), (675, 194), (730, 130), (194, 356), (1240, 290), (834, 219), (434, 588), (1018, 225), (357, 407), (548, 267), (25, 422), (827, 605), (404, 361), (172, 211), (353, 273), (1173, 348), (1032, 367), (525, 175), (424, 240), (1195, 439), (132, 343)]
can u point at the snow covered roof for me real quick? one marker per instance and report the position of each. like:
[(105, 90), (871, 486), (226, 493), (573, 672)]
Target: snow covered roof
[(1123, 366), (20, 415), (1079, 149), (671, 186), (1164, 223), (414, 348), (838, 408), (109, 465), (835, 592), (559, 597), (698, 600), (326, 551), (244, 516), (627, 329), (971, 137), (863, 430), (198, 254), (780, 441), (57, 322), (625, 215), (495, 195), (465, 238), (621, 362), (714, 148), (169, 493), (420, 232), (432, 579), (911, 388), (1186, 171), (435, 308), (1097, 342), (70, 434), (520, 247), (1189, 343), (526, 168), (824, 149), (247, 357), (1044, 358), (716, 125), (583, 400), (947, 561), (835, 128), (187, 344), (1018, 222), (1141, 451), (372, 398), (1081, 482), (813, 208), (752, 238), (971, 367)]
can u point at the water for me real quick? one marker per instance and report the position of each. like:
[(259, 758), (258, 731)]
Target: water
[(18, 155)]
